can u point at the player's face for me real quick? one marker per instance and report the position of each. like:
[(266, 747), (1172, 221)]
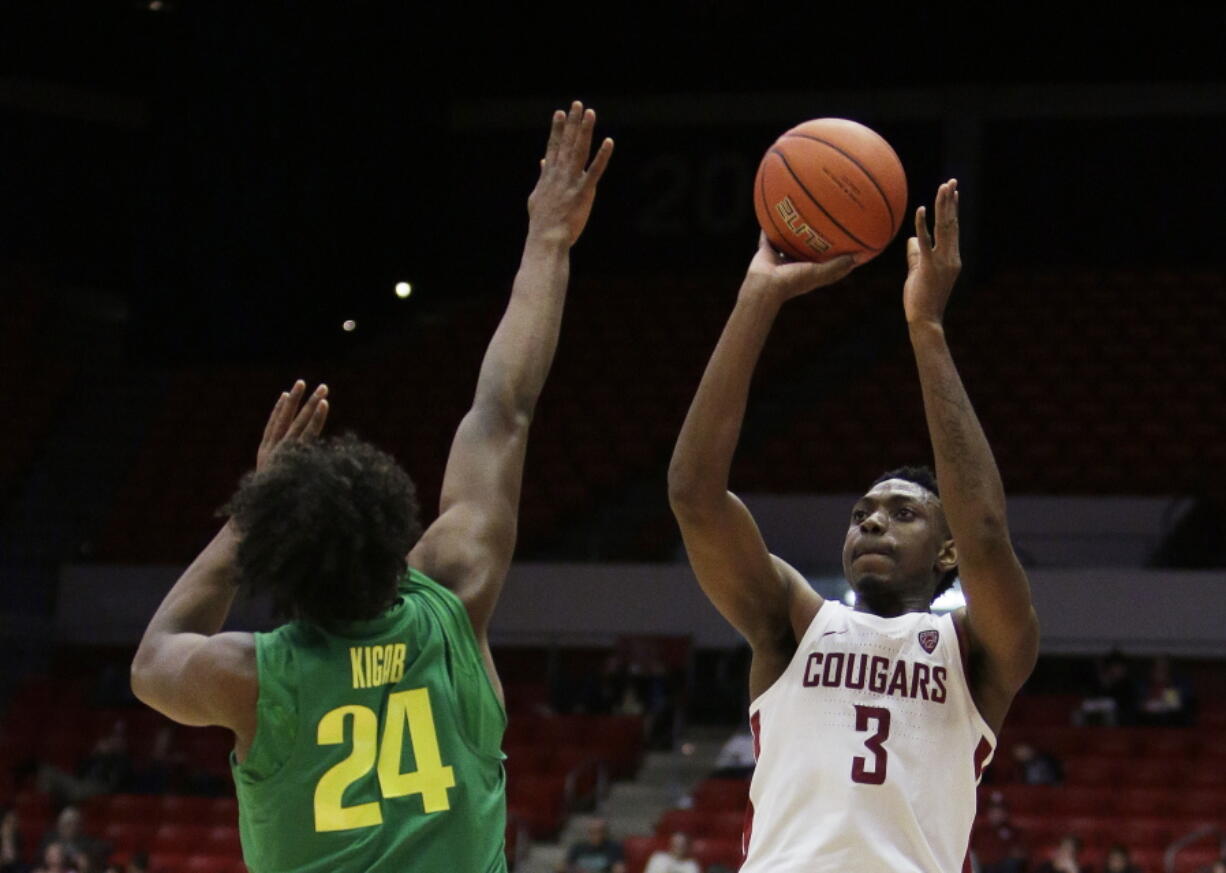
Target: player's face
[(895, 537)]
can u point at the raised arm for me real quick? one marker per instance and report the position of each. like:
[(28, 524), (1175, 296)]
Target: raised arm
[(469, 546), (755, 591), (184, 668), (1003, 628)]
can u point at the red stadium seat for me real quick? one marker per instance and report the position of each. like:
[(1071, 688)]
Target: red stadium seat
[(132, 808), (166, 862), (1177, 743), (725, 852), (183, 839), (1097, 772), (637, 849), (1094, 831), (1197, 803), (1149, 860), (1119, 742), (129, 837), (207, 864), (722, 795), (1150, 832), (1158, 773), (1145, 801), (725, 825), (222, 840), (1075, 801), (691, 822), (541, 801), (184, 809), (1196, 858), (223, 811), (1208, 774)]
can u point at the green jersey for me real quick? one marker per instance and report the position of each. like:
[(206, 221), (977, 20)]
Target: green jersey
[(378, 746)]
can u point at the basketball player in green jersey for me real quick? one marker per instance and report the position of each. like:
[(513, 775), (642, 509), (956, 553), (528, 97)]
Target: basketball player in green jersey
[(368, 728)]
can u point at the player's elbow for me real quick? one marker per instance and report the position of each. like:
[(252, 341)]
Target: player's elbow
[(142, 674), (688, 493)]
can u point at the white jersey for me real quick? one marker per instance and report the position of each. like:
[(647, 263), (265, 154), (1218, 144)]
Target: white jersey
[(869, 750)]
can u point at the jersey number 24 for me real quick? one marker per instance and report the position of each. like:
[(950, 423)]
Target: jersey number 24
[(431, 779)]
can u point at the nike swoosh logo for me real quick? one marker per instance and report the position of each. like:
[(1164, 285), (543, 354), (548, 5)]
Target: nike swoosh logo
[(828, 633)]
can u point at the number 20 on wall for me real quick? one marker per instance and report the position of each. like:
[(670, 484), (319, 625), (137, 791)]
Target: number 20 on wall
[(431, 779)]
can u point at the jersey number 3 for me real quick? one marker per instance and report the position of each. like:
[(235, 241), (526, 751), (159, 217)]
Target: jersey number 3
[(431, 779), (860, 771)]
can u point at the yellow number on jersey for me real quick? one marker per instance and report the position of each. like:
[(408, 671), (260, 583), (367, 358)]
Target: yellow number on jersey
[(431, 779)]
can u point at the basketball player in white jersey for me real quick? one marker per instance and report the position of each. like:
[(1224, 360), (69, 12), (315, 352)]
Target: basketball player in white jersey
[(871, 725)]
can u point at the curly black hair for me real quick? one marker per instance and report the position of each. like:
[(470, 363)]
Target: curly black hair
[(325, 529), (923, 476)]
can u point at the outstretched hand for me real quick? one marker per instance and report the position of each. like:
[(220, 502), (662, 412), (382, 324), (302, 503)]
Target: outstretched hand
[(562, 199), (773, 274), (933, 260), (292, 420)]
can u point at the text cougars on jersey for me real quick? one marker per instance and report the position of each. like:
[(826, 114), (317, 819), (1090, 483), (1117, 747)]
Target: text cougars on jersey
[(874, 673)]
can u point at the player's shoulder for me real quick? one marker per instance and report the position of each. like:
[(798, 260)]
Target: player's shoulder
[(803, 602)]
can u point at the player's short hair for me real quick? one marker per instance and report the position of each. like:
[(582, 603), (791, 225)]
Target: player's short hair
[(325, 529), (921, 475)]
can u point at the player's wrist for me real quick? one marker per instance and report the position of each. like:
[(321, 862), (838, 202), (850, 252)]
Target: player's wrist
[(925, 326), (549, 234), (763, 290)]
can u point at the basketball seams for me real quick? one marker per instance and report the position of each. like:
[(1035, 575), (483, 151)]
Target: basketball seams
[(771, 215), (895, 223), (814, 201)]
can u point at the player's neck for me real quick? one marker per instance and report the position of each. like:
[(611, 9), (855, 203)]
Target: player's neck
[(890, 605)]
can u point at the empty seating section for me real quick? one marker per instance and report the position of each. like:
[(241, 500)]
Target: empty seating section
[(628, 361), (1086, 383), (557, 762)]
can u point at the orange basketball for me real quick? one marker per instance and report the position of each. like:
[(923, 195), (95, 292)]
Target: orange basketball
[(830, 187)]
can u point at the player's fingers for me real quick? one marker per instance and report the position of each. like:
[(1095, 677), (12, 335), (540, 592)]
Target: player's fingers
[(304, 415), (274, 416), (555, 135), (834, 270), (570, 132), (583, 142), (286, 414), (597, 167), (923, 238), (946, 216), (316, 425)]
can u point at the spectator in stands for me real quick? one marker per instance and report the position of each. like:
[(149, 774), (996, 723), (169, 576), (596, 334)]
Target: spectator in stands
[(1164, 699), (676, 860), (999, 847), (1066, 858), (103, 771), (1120, 861), (10, 843), (55, 860), (78, 845), (596, 854), (1218, 866), (735, 759), (1112, 700), (1035, 767)]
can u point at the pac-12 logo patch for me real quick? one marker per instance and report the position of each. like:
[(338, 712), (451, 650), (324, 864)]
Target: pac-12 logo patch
[(928, 640)]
